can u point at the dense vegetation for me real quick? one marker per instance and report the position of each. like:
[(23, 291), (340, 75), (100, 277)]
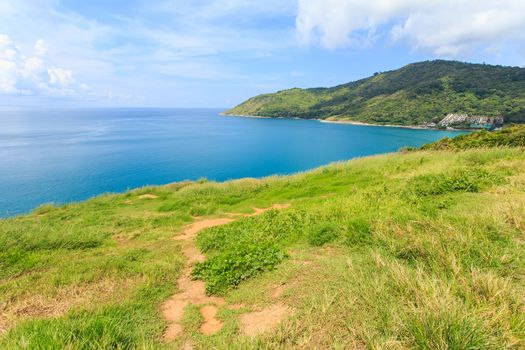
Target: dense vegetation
[(413, 95), (509, 137), (419, 249)]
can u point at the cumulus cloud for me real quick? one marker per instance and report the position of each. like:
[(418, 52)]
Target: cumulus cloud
[(28, 75), (60, 76), (442, 27), (41, 47), (15, 70), (24, 75)]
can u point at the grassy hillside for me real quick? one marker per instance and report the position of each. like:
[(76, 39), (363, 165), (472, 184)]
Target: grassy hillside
[(415, 94), (509, 137), (417, 250)]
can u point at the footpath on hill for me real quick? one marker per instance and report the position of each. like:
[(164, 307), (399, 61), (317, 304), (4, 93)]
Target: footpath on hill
[(193, 292)]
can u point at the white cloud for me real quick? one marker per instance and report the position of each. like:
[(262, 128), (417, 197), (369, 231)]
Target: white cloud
[(442, 27), (41, 47), (14, 68), (60, 76), (28, 75), (31, 75)]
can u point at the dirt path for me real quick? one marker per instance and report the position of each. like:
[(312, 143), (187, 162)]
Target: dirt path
[(258, 322), (193, 292)]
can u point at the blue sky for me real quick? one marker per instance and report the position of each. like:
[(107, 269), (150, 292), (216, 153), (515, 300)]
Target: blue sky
[(216, 53)]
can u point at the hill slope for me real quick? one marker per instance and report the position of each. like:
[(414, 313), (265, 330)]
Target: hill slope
[(412, 250), (413, 95), (513, 136)]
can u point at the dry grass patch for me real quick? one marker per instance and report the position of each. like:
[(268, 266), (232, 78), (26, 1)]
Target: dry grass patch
[(148, 196), (61, 301)]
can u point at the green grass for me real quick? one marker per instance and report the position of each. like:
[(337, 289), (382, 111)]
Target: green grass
[(513, 136), (421, 250)]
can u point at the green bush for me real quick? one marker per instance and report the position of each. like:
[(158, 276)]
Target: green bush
[(461, 180), (226, 270), (509, 137), (319, 235), (448, 332), (359, 232)]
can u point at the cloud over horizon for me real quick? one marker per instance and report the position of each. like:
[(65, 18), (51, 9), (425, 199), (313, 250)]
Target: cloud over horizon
[(31, 75), (28, 74), (219, 52)]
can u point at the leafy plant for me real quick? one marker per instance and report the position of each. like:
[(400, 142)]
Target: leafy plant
[(226, 270)]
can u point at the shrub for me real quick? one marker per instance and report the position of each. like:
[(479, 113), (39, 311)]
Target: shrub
[(448, 331), (359, 232), (321, 234), (461, 180), (509, 137), (226, 270), (202, 180), (44, 209), (413, 252), (200, 210)]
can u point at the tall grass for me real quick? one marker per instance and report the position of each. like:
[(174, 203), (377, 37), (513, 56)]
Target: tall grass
[(419, 250)]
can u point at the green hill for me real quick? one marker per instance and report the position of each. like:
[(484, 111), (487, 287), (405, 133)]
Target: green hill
[(413, 95), (413, 250), (513, 136)]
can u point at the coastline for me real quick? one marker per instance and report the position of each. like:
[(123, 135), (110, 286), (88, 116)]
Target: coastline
[(222, 114), (349, 122), (413, 127), (210, 141)]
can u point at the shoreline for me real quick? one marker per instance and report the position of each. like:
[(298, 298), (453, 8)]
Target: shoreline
[(222, 114), (10, 212), (347, 122), (351, 122)]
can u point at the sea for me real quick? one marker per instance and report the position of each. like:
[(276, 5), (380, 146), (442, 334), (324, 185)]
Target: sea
[(66, 155)]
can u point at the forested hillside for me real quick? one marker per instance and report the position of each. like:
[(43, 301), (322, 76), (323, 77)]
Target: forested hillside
[(413, 95)]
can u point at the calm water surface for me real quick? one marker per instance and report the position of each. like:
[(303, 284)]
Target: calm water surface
[(69, 155)]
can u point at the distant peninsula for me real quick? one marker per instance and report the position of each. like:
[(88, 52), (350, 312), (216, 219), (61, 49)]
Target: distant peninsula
[(426, 94)]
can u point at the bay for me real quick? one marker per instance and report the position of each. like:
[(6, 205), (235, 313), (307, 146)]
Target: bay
[(59, 156)]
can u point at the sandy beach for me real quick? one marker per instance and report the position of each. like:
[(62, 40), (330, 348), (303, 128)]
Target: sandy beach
[(351, 122), (244, 116)]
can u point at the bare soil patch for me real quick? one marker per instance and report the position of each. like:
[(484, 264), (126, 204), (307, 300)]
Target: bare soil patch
[(259, 211), (259, 322), (211, 323), (277, 292), (194, 292), (148, 196)]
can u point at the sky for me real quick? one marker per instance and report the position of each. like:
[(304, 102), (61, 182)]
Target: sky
[(217, 53)]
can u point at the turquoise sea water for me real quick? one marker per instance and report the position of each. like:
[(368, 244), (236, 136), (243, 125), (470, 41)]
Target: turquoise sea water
[(69, 155)]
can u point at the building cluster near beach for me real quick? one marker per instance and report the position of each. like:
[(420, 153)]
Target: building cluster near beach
[(456, 121)]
